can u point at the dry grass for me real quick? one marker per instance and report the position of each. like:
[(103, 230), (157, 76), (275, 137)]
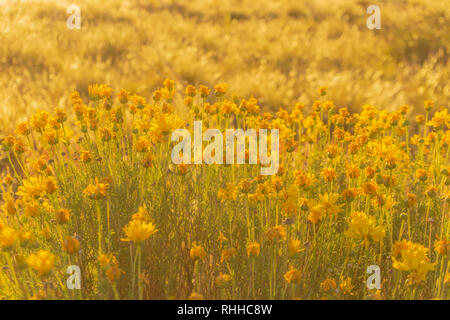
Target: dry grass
[(278, 51)]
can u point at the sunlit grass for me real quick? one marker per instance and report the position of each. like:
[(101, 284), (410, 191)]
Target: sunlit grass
[(96, 187), (278, 51)]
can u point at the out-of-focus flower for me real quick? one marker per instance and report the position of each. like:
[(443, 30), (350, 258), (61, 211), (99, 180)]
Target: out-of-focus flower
[(42, 261), (293, 275)]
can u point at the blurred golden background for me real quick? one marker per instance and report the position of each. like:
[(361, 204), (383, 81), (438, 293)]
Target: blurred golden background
[(277, 51)]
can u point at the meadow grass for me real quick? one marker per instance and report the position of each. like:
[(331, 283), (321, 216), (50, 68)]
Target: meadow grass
[(278, 51)]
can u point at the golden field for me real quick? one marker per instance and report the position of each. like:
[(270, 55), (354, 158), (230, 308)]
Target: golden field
[(88, 180), (278, 51)]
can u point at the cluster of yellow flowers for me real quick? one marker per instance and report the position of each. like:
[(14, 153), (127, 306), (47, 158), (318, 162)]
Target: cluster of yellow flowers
[(99, 187)]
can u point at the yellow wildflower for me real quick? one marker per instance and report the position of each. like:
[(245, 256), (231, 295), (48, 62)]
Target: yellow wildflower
[(412, 257), (138, 230), (114, 273), (346, 286), (222, 280), (8, 237), (253, 249), (96, 191), (442, 246), (71, 245), (197, 252), (295, 247), (362, 226), (293, 275), (227, 193), (328, 284), (42, 261), (275, 233)]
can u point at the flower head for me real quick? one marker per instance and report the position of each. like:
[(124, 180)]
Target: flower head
[(197, 252), (71, 245), (8, 237), (412, 257), (346, 286), (97, 190), (362, 226), (293, 275), (328, 284), (222, 280), (138, 230), (42, 261), (253, 249)]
